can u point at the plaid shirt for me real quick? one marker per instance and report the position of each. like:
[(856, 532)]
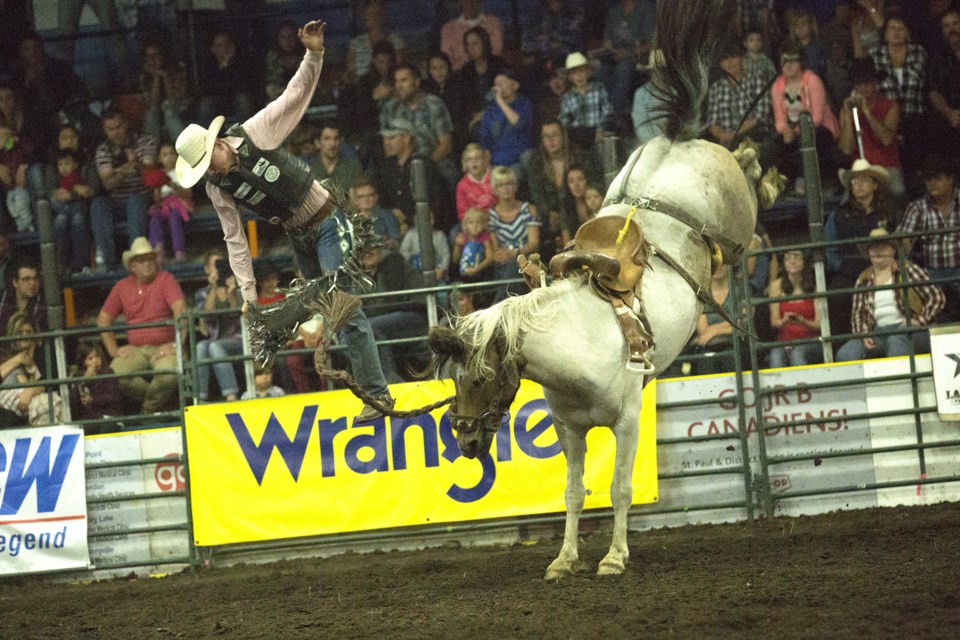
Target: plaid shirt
[(910, 92), (940, 250), (588, 109), (728, 101), (430, 119), (930, 295)]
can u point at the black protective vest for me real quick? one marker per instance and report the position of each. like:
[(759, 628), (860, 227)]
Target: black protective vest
[(271, 184)]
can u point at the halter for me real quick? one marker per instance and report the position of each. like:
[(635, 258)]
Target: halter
[(489, 421)]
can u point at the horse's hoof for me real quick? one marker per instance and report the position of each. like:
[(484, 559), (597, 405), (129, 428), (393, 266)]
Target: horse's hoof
[(610, 567), (559, 570)]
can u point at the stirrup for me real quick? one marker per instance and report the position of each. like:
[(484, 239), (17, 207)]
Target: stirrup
[(646, 370)]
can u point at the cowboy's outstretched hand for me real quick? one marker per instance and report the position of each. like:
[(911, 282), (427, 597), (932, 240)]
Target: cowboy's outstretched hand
[(311, 35)]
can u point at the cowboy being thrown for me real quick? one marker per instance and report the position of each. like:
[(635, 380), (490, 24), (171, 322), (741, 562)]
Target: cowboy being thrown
[(247, 167)]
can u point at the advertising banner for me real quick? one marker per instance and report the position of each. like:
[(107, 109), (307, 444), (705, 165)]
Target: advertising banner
[(945, 355), (43, 510), (298, 466)]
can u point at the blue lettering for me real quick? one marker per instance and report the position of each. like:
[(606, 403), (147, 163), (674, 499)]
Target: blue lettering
[(504, 446), (328, 431), (3, 458), (429, 427), (377, 441), (483, 486), (274, 437), (525, 437), (49, 481), (451, 450)]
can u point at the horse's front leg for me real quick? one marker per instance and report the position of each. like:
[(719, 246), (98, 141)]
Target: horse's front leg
[(574, 449), (621, 493)]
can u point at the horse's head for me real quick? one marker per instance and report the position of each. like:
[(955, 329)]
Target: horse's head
[(486, 385)]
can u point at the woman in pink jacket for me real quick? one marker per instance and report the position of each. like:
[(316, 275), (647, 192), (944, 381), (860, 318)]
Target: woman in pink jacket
[(796, 90)]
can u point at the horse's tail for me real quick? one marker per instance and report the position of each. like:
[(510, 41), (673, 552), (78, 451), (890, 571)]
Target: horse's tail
[(688, 34)]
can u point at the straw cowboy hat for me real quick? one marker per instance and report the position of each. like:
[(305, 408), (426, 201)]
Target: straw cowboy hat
[(576, 60), (861, 165), (195, 148), (140, 247)]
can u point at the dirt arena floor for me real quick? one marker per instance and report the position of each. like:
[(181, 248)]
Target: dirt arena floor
[(886, 573)]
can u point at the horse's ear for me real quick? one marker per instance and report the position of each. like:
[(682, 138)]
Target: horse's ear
[(445, 341)]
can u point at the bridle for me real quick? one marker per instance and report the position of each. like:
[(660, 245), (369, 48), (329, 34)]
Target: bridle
[(490, 420)]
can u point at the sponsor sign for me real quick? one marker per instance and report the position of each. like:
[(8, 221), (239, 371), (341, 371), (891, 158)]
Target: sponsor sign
[(298, 466), (43, 511), (945, 354)]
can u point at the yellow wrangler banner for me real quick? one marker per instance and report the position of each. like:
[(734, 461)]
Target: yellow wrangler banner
[(289, 467)]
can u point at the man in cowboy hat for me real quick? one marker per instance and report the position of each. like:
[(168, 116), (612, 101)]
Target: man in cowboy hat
[(147, 295), (586, 105), (506, 128), (248, 167)]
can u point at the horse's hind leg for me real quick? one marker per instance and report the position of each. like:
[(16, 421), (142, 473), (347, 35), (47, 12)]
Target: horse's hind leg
[(621, 494), (574, 449)]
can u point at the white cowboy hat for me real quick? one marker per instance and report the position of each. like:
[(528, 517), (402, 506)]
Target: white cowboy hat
[(140, 247), (195, 148), (576, 60), (860, 165)]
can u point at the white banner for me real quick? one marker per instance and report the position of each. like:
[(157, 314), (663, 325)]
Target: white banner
[(945, 353), (43, 508)]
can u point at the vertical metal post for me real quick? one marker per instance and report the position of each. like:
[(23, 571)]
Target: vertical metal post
[(738, 314), (53, 296), (608, 154), (811, 177), (424, 220)]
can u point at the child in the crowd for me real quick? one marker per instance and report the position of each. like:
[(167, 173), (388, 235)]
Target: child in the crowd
[(585, 107), (410, 249), (31, 404), (70, 205), (474, 189), (171, 203), (14, 158), (222, 336), (97, 398), (594, 200), (263, 386), (756, 61), (473, 247)]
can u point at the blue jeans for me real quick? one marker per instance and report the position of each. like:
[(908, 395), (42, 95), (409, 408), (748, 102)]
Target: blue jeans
[(886, 346), (70, 233), (394, 325), (226, 378), (18, 205), (103, 212), (796, 355), (357, 334)]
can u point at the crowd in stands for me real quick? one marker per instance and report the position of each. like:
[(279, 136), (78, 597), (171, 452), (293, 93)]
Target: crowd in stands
[(507, 124)]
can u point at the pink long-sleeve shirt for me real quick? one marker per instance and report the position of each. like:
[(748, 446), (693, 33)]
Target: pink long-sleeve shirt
[(813, 97), (267, 130)]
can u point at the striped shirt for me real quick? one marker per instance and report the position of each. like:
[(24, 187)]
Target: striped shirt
[(513, 234), (940, 250), (907, 86), (110, 155)]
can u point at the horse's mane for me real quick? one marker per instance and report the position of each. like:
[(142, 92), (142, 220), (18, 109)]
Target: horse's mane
[(508, 321)]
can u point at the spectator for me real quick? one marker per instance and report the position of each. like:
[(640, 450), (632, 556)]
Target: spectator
[(714, 335), (558, 33), (166, 96), (226, 81), (627, 40), (934, 213), (647, 120), (147, 295), (359, 104), (878, 313), (221, 332), (585, 106), (283, 59), (866, 26), (18, 366), (14, 115), (594, 200), (393, 177), (478, 73), (263, 386), (729, 99), (360, 51), (70, 206), (23, 294), (120, 160), (410, 250), (549, 98), (795, 319), (473, 247), (396, 317), (68, 21), (575, 210), (432, 126), (15, 156), (548, 169), (944, 86), (330, 163), (797, 90), (474, 188), (442, 82), (452, 32), (803, 29), (879, 122), (171, 204), (757, 14), (755, 60), (506, 128), (93, 399), (902, 65), (514, 227), (364, 196)]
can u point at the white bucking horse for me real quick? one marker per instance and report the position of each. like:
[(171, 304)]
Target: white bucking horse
[(683, 205)]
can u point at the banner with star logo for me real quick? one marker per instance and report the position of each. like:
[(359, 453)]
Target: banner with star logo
[(945, 354)]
